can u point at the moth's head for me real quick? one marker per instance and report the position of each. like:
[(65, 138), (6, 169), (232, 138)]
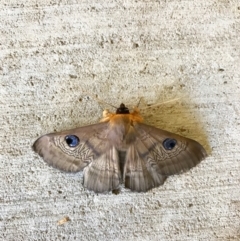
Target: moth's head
[(122, 109)]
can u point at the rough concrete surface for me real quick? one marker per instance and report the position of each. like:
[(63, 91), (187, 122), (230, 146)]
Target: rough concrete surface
[(55, 55)]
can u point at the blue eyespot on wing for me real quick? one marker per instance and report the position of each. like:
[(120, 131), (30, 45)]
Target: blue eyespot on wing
[(169, 143), (72, 140)]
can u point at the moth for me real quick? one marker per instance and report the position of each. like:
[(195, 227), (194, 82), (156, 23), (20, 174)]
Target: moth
[(120, 149)]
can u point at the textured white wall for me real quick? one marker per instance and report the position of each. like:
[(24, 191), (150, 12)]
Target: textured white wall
[(52, 51)]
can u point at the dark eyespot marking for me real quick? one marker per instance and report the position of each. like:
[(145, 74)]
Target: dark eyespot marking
[(169, 143), (72, 140)]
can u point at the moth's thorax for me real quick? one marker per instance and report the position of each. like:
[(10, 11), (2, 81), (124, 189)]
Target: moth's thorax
[(121, 128)]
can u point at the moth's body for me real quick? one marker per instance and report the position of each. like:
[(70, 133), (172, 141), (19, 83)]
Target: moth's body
[(120, 149), (121, 128)]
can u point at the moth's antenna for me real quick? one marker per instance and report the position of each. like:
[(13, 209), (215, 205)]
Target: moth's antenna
[(160, 104), (139, 102), (99, 101)]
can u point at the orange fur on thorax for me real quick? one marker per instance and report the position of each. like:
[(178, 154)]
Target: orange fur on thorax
[(115, 119)]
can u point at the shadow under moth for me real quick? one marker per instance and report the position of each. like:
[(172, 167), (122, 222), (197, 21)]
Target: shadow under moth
[(120, 149)]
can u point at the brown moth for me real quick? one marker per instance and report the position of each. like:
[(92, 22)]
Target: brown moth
[(120, 149)]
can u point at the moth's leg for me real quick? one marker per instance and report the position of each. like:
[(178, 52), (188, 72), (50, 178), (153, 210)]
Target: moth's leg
[(106, 115)]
